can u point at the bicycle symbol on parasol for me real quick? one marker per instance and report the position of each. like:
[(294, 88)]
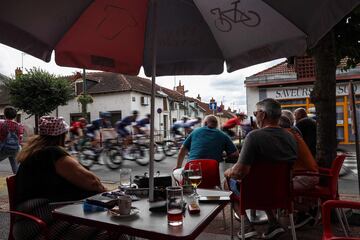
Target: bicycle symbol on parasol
[(234, 15)]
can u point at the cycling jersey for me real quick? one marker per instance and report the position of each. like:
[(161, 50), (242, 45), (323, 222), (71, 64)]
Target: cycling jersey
[(143, 122)]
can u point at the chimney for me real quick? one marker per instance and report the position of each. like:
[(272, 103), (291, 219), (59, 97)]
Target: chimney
[(198, 97), (222, 105), (18, 72), (180, 89)]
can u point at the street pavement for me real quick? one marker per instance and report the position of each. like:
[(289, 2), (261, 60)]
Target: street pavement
[(348, 188)]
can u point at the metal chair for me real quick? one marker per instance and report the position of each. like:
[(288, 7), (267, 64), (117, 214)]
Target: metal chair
[(326, 217), (11, 186)]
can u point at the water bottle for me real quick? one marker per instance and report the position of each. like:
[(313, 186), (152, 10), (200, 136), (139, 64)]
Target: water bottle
[(87, 207)]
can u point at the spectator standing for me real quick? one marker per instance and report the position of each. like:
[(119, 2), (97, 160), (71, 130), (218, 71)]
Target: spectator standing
[(268, 143), (207, 142), (307, 127), (11, 134)]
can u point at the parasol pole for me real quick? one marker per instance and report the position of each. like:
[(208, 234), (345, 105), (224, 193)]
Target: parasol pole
[(153, 81)]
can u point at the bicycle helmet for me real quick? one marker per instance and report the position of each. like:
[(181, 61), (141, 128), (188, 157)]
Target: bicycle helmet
[(135, 112), (105, 114), (83, 120)]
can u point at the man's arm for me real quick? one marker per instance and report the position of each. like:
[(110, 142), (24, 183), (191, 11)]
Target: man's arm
[(183, 151), (238, 171)]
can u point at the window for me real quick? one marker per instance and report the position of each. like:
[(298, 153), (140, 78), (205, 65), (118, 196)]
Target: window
[(165, 106), (79, 88), (133, 99), (75, 116), (145, 101), (115, 116)]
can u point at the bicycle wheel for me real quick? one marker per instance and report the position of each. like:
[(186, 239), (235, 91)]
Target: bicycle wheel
[(252, 19), (223, 25), (139, 153), (159, 154), (114, 159), (170, 148), (85, 158)]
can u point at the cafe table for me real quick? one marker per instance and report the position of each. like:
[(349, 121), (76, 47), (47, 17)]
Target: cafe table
[(147, 224)]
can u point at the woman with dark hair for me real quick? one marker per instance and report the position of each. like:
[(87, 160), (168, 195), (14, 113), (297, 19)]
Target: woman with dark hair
[(48, 174)]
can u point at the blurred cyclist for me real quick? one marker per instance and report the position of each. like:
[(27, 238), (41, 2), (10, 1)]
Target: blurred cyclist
[(175, 129), (93, 129), (190, 125), (141, 126), (121, 127), (233, 122), (77, 128)]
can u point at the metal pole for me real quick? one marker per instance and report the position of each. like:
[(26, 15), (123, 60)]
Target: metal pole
[(153, 81), (356, 133), (84, 82)]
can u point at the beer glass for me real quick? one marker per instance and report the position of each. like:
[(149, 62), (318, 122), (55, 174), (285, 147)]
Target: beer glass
[(174, 203)]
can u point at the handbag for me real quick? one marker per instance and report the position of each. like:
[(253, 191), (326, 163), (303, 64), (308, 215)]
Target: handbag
[(160, 180)]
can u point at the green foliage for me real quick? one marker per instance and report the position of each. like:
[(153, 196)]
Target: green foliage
[(85, 99), (347, 39), (38, 92)]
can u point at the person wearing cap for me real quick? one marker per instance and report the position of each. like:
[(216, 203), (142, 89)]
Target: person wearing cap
[(233, 122), (48, 172)]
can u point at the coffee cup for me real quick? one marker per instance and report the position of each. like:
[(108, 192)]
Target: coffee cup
[(124, 203)]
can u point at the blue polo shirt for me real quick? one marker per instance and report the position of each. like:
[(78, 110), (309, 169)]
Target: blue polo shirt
[(208, 143)]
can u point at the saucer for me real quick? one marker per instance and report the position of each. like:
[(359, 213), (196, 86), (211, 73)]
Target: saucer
[(115, 212)]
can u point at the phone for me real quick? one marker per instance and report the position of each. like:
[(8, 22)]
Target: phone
[(251, 121)]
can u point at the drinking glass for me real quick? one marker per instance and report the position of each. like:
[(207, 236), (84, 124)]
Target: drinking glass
[(125, 177), (195, 176), (174, 203)]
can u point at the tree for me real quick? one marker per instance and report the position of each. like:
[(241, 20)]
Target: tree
[(84, 99), (38, 92), (342, 42)]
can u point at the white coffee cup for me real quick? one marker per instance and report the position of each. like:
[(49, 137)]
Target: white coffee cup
[(124, 205)]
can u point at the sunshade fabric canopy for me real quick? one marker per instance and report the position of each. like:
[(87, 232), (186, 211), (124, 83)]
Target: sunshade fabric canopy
[(193, 36)]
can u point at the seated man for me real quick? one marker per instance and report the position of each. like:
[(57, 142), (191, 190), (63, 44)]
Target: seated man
[(207, 142), (233, 122), (269, 142), (305, 162)]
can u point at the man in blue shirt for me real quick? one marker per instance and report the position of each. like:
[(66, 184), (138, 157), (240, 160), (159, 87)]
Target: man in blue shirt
[(207, 142)]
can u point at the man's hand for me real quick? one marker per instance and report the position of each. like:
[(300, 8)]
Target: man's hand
[(227, 173)]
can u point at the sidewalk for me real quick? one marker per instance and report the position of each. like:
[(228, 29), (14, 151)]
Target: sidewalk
[(214, 231)]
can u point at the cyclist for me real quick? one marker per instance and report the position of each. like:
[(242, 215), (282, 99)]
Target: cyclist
[(189, 126), (93, 129), (231, 123), (175, 129), (141, 126), (77, 128), (121, 127)]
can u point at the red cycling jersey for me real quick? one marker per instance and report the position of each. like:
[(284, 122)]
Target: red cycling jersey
[(232, 123)]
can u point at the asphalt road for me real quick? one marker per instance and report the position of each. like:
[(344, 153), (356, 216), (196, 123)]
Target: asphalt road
[(347, 184)]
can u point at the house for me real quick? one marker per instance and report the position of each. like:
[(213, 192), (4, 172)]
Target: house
[(291, 85)]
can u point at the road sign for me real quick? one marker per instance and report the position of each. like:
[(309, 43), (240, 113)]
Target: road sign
[(212, 106), (159, 110)]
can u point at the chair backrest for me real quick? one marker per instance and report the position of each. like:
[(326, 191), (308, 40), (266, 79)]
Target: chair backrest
[(210, 173), (11, 185), (335, 171), (267, 186)]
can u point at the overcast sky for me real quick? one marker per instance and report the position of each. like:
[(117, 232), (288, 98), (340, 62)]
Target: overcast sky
[(227, 87)]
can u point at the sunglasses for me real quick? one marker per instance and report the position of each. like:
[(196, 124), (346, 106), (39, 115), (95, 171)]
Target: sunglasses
[(256, 112)]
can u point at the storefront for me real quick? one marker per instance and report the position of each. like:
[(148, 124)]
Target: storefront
[(294, 93)]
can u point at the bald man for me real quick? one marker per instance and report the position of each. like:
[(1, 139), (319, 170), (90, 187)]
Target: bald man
[(207, 142), (307, 127)]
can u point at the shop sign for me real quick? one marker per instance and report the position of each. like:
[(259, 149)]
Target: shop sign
[(304, 91)]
